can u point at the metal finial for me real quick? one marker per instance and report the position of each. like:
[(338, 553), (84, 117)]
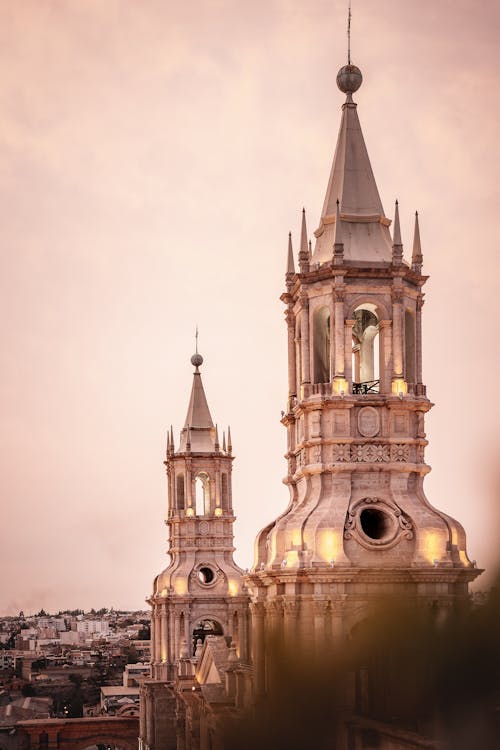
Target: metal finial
[(196, 359), (349, 35)]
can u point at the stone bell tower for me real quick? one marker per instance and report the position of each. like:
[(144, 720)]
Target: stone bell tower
[(358, 522), (201, 591)]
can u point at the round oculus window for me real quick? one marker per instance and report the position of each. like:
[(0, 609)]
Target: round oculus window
[(375, 523), (206, 575)]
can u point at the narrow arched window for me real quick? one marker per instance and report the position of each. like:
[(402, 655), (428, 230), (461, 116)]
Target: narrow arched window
[(409, 347), (365, 350), (321, 345), (180, 493), (224, 492), (202, 494)]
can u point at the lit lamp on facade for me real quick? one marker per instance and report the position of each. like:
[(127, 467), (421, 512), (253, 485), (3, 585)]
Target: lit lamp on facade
[(340, 386), (399, 387)]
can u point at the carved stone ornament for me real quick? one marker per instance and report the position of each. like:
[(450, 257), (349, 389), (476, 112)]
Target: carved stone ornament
[(371, 453), (395, 524), (368, 421)]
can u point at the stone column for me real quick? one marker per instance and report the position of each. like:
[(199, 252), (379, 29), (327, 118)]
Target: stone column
[(305, 342), (418, 340), (177, 637), (190, 492), (243, 628), (158, 634), (348, 325), (163, 632), (319, 608), (153, 634), (384, 327), (397, 333), (339, 332), (290, 613), (257, 610), (292, 364)]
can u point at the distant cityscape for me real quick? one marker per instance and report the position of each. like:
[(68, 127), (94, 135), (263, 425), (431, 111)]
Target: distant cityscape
[(72, 664)]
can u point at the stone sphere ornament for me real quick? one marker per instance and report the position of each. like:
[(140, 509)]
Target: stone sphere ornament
[(349, 79), (196, 360)]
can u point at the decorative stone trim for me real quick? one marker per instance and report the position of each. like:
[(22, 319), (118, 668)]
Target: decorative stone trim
[(371, 453)]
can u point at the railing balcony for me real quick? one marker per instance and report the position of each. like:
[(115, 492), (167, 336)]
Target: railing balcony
[(368, 386)]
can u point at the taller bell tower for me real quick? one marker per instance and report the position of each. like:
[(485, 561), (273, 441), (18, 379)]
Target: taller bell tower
[(358, 522)]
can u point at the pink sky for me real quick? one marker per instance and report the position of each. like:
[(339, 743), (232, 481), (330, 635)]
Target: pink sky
[(153, 156)]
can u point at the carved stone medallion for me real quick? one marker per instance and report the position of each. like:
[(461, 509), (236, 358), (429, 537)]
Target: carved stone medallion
[(368, 421)]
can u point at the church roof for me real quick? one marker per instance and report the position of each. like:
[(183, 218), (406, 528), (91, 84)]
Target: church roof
[(365, 229)]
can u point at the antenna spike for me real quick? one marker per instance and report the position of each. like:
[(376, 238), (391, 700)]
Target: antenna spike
[(349, 34)]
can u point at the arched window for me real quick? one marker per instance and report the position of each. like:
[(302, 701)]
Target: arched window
[(224, 492), (204, 628), (321, 344), (409, 347), (180, 492), (365, 350), (202, 493)]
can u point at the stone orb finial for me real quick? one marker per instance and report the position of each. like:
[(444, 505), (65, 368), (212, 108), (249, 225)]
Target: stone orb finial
[(349, 79), (197, 360)]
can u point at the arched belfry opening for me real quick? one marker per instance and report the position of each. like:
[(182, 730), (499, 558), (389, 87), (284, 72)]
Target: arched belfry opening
[(202, 494), (180, 492), (203, 628), (365, 350), (321, 344)]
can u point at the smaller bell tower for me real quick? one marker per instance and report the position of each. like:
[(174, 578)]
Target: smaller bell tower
[(201, 592)]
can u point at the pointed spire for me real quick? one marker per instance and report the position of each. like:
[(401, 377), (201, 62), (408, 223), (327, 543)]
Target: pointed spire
[(168, 442), (303, 233), (304, 247), (417, 257), (397, 228), (224, 441), (310, 250), (397, 245), (229, 443), (188, 438), (172, 444), (353, 183), (290, 266), (216, 438), (338, 242)]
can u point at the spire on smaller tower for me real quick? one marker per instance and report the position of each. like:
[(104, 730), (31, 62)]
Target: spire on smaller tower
[(216, 438), (310, 251), (397, 245), (304, 246), (172, 444), (224, 441), (417, 258), (290, 266), (168, 442), (229, 443), (338, 242)]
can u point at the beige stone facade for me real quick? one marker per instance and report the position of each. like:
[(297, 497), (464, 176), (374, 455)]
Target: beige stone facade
[(358, 524)]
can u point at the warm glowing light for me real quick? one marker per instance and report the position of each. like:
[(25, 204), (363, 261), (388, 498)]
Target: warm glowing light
[(233, 587), (218, 512), (399, 386), (432, 545), (181, 586), (189, 512), (328, 544), (292, 558), (297, 538), (340, 386)]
